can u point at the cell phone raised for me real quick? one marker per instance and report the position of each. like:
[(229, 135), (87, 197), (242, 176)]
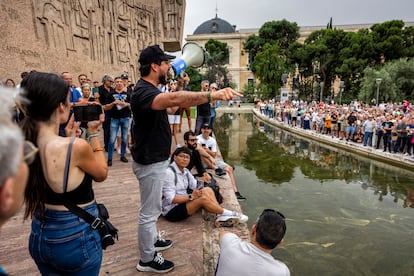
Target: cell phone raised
[(86, 113)]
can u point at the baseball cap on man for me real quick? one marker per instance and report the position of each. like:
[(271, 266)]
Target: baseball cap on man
[(124, 76), (206, 125), (153, 54)]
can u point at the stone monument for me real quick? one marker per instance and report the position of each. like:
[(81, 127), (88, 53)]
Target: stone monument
[(94, 37)]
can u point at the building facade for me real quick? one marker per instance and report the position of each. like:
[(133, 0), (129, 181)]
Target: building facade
[(238, 66)]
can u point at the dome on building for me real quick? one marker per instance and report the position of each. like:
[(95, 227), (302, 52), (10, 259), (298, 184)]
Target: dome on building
[(215, 26)]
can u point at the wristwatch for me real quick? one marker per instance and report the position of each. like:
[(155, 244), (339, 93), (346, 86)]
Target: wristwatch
[(190, 196)]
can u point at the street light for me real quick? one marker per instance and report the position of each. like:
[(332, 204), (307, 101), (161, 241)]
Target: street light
[(378, 81), (321, 97), (341, 90)]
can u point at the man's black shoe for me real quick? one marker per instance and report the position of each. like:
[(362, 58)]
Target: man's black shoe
[(158, 265), (109, 163), (240, 197), (124, 159), (162, 244), (220, 172)]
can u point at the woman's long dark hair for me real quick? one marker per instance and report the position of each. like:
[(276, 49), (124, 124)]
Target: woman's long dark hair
[(41, 94)]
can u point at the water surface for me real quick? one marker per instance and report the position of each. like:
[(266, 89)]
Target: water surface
[(346, 215)]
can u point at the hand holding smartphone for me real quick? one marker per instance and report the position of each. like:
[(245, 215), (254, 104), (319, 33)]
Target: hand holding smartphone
[(86, 113)]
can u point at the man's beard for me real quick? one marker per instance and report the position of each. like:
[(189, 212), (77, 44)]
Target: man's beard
[(162, 79), (192, 147)]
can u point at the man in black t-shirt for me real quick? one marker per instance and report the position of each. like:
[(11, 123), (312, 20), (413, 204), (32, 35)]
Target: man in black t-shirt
[(151, 150), (203, 110), (104, 90), (386, 129), (120, 118), (190, 141)]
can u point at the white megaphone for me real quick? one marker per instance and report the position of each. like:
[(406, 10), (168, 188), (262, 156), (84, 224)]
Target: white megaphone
[(192, 55)]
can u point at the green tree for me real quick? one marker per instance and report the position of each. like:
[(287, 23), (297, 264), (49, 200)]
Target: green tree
[(397, 81), (269, 67), (388, 40), (248, 91), (195, 79), (282, 33), (217, 55)]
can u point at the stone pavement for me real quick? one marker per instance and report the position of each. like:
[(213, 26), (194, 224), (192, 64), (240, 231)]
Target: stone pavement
[(195, 240)]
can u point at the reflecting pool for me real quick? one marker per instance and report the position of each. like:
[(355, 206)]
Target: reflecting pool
[(346, 215)]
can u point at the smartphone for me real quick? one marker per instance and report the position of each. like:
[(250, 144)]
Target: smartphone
[(86, 113), (200, 184)]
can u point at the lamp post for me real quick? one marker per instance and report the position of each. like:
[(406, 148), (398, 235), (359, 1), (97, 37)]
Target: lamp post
[(378, 81), (321, 96), (341, 90)]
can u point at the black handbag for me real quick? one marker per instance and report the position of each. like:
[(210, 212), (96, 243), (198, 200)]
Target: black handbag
[(106, 230)]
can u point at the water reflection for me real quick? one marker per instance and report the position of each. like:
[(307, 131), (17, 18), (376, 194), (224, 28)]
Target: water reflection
[(316, 161), (345, 214)]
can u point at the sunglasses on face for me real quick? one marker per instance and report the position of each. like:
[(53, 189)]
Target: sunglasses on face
[(192, 140), (29, 151)]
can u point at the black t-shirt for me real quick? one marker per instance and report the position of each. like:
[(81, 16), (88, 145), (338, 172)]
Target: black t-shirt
[(351, 120), (103, 95), (123, 112), (104, 99), (151, 130), (195, 160), (203, 110), (389, 125)]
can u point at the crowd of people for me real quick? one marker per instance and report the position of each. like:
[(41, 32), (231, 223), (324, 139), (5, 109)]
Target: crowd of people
[(63, 156), (388, 126)]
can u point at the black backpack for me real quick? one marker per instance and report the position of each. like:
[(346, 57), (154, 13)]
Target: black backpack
[(213, 185)]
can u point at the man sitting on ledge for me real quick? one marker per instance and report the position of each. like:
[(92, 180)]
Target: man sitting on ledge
[(182, 198), (209, 145)]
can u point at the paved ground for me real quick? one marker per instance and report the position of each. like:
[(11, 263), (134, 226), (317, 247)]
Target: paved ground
[(195, 248)]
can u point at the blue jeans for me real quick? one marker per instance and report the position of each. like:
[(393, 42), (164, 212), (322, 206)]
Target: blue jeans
[(368, 135), (115, 124), (64, 244), (151, 180)]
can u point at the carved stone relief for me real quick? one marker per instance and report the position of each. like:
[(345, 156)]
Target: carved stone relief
[(89, 36)]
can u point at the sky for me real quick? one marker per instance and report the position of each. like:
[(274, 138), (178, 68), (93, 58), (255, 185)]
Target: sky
[(254, 13)]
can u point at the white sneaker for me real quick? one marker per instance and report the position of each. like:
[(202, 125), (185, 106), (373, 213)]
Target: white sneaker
[(226, 221), (119, 150), (243, 218), (229, 221)]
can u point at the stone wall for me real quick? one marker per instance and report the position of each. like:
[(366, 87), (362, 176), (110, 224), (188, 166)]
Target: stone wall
[(85, 36)]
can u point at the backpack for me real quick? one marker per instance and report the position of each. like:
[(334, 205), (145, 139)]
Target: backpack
[(213, 185)]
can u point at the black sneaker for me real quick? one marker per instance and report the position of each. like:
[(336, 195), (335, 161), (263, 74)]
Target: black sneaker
[(158, 265), (124, 159), (162, 244), (109, 163), (220, 172), (240, 197)]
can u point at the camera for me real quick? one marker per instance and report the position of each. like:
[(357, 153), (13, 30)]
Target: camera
[(107, 231), (108, 234), (86, 113)]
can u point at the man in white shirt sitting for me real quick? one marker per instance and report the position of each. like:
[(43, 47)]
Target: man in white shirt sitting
[(182, 197), (238, 257), (209, 144)]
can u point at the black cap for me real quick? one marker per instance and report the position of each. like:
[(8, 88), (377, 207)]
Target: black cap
[(206, 125), (124, 76), (153, 54)]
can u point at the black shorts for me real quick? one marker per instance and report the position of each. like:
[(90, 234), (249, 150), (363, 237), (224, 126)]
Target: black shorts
[(177, 213)]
